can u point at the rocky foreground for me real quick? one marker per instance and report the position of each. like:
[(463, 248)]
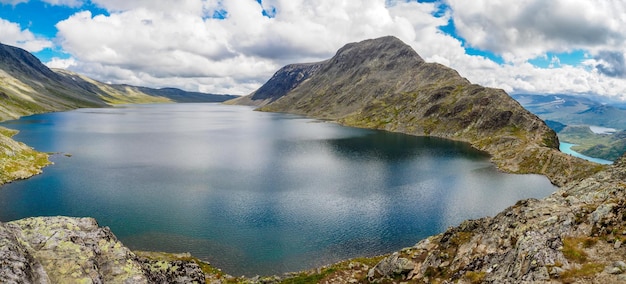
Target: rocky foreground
[(77, 250)]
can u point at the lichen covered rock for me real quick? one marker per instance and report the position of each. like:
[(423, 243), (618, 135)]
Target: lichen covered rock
[(76, 250)]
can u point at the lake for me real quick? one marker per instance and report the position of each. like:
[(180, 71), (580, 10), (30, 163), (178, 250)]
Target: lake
[(567, 149), (254, 193)]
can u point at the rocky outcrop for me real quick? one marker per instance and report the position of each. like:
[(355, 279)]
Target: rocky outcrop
[(384, 84), (574, 235), (77, 250), (281, 83), (18, 161)]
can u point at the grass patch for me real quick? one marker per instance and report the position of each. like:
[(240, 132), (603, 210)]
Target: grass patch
[(317, 277), (475, 277), (573, 248), (587, 270), (7, 132)]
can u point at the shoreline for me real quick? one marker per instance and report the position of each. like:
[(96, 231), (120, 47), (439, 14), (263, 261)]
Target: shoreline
[(567, 149)]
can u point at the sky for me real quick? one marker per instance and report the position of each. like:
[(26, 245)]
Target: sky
[(233, 46)]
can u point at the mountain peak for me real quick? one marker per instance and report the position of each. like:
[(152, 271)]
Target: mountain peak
[(382, 52)]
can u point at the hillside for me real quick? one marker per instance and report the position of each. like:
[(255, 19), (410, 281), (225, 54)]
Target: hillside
[(29, 87), (384, 84)]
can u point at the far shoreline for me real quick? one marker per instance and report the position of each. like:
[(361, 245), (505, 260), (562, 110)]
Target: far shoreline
[(566, 148)]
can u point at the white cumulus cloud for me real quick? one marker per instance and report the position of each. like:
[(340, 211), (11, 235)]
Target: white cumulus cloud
[(12, 34), (525, 29)]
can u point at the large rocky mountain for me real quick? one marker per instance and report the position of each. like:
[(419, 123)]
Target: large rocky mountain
[(384, 84)]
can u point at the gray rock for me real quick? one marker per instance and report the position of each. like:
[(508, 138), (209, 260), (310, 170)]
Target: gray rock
[(77, 250), (601, 212), (390, 266)]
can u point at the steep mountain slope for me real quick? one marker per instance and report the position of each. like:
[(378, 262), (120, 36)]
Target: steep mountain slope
[(27, 87), (283, 81), (384, 84)]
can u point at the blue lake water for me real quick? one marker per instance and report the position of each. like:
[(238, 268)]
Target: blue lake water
[(254, 193), (567, 149)]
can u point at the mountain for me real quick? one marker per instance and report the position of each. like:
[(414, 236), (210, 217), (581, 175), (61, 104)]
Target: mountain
[(283, 81), (573, 118), (28, 87), (384, 84), (574, 110)]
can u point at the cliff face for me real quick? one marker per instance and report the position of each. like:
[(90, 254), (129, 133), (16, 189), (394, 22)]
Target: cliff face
[(384, 84), (281, 83)]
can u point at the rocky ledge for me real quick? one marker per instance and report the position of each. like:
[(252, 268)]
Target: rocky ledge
[(77, 250)]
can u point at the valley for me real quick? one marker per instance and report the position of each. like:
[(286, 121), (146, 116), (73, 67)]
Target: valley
[(596, 128)]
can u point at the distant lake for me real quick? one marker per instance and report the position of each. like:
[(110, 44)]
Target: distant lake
[(254, 193), (567, 149)]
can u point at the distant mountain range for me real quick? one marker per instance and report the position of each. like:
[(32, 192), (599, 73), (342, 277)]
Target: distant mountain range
[(384, 84), (575, 118), (27, 86)]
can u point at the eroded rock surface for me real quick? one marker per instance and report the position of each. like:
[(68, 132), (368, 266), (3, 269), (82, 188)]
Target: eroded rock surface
[(77, 250)]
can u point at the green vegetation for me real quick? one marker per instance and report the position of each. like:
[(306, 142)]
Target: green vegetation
[(573, 248), (603, 146), (18, 161), (475, 277), (318, 275), (586, 270)]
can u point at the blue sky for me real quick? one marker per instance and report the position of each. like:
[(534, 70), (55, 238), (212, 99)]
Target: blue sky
[(233, 46)]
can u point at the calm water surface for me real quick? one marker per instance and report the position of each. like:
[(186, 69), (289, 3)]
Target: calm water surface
[(252, 192)]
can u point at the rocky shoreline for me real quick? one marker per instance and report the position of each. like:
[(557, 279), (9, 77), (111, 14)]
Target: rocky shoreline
[(17, 160)]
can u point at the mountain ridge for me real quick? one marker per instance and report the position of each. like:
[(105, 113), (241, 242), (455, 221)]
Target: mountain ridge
[(27, 87), (384, 84)]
